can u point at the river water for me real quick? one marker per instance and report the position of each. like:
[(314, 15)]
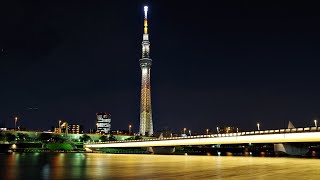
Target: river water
[(32, 166)]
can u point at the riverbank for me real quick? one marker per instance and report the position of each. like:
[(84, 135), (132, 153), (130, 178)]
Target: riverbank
[(77, 147), (42, 147)]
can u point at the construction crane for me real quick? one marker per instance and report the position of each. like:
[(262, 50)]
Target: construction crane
[(65, 126)]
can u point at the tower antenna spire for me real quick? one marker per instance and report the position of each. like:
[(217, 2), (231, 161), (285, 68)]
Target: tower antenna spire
[(145, 20)]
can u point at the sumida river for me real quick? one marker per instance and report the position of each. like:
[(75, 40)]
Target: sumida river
[(32, 166)]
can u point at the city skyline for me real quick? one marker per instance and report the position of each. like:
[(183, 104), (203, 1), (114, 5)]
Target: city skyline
[(218, 63)]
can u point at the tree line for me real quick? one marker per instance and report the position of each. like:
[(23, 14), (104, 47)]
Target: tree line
[(49, 138)]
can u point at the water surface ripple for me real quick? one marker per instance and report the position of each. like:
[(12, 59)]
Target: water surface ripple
[(112, 166)]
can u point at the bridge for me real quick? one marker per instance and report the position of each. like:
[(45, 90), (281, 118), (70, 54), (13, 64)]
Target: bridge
[(278, 136)]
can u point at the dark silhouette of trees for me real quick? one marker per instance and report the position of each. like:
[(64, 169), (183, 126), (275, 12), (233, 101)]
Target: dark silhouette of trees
[(44, 137), (112, 138), (10, 137), (103, 138), (85, 138), (2, 137), (58, 139), (134, 138), (23, 137)]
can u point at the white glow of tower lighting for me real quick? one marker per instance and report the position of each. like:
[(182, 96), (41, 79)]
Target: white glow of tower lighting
[(144, 71), (145, 11)]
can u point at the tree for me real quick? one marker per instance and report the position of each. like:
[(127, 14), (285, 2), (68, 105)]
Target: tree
[(112, 138), (58, 139), (103, 138), (134, 138), (2, 137), (137, 137), (130, 138), (44, 137), (10, 137), (85, 138), (23, 137)]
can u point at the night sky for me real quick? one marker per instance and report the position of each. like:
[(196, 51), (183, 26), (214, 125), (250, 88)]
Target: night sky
[(215, 63)]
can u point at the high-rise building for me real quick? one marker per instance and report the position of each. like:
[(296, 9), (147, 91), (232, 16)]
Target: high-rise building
[(103, 123), (75, 129), (146, 125)]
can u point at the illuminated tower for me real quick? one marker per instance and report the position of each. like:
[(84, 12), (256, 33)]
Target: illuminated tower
[(146, 126)]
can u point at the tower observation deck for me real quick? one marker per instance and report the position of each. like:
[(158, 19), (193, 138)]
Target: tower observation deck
[(146, 125)]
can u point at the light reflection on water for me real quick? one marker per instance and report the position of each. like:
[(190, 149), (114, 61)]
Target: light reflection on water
[(111, 166)]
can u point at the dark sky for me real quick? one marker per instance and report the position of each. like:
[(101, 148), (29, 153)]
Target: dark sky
[(215, 63)]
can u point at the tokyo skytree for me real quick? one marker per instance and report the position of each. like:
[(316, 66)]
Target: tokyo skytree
[(146, 125)]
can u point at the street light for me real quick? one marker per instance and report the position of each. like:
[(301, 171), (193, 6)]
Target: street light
[(184, 130), (207, 131), (15, 122), (315, 123), (190, 132), (59, 123), (218, 130), (258, 125), (129, 129), (60, 126)]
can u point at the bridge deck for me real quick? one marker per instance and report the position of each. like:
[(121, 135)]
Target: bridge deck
[(309, 134)]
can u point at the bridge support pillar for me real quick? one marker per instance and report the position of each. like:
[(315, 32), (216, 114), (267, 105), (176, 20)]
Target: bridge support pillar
[(294, 149), (162, 149)]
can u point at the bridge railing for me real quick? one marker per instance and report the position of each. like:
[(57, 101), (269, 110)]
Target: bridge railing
[(247, 133)]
